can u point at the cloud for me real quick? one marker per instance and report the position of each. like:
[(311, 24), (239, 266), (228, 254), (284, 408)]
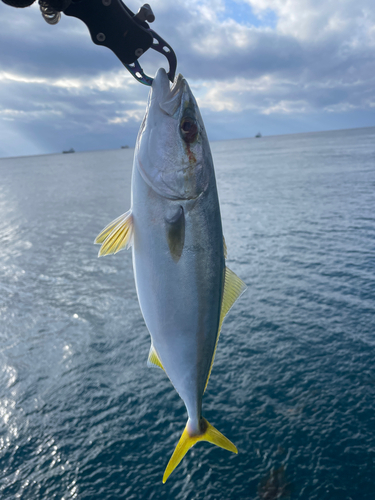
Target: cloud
[(265, 61), (315, 20)]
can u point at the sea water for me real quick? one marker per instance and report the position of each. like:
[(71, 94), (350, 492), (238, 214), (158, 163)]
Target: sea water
[(293, 384)]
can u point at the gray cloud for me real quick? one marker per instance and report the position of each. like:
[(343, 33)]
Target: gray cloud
[(312, 68)]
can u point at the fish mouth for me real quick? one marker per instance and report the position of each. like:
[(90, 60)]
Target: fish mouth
[(168, 98), (161, 82), (178, 82)]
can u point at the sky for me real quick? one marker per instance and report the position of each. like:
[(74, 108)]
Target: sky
[(274, 66)]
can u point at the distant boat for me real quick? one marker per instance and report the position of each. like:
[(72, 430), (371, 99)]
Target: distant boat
[(258, 135), (125, 147), (71, 150)]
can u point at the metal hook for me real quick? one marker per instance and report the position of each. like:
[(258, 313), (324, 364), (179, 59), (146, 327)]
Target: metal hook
[(112, 24), (50, 15), (161, 46)]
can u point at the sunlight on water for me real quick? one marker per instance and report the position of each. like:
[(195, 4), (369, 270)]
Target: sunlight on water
[(8, 408)]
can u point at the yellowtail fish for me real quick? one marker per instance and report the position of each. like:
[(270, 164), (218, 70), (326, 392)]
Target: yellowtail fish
[(174, 227)]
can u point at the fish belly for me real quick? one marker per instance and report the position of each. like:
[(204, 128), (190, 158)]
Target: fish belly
[(180, 299)]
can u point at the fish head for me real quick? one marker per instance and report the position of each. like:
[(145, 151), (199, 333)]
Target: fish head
[(172, 151)]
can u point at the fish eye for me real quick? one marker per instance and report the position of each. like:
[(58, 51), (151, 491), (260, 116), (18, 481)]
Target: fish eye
[(189, 129)]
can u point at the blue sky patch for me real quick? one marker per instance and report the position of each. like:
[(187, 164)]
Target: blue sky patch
[(242, 13)]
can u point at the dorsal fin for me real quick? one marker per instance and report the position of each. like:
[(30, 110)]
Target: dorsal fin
[(234, 287), (153, 359), (117, 235), (225, 248)]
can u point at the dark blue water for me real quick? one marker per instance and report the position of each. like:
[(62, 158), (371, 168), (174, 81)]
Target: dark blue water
[(293, 384)]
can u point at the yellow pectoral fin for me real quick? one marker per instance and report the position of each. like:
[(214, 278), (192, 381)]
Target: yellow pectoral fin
[(117, 235), (153, 358), (234, 287), (186, 441)]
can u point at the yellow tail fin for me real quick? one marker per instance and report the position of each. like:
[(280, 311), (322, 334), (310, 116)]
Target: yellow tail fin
[(209, 434)]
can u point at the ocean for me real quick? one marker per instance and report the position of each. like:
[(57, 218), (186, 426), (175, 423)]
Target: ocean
[(293, 383)]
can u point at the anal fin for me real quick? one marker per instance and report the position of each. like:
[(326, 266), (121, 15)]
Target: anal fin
[(153, 359)]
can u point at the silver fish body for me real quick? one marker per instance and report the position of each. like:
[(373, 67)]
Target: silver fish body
[(174, 226), (178, 261)]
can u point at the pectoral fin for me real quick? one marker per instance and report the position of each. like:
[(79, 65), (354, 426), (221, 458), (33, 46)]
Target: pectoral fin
[(175, 227), (117, 235), (234, 287)]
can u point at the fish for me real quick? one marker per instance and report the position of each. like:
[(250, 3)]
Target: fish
[(174, 227)]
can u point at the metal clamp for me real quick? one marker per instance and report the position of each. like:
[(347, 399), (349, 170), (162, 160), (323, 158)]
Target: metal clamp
[(112, 24)]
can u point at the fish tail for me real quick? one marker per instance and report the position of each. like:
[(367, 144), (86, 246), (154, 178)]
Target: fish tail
[(208, 433)]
